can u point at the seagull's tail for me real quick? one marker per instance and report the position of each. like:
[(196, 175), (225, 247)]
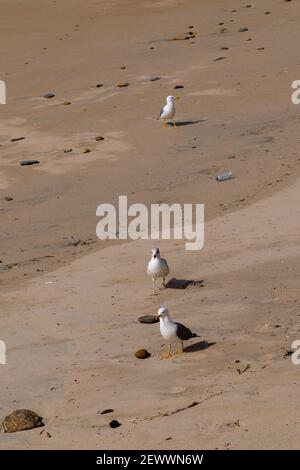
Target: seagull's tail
[(194, 335)]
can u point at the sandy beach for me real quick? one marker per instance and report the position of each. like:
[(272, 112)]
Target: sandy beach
[(70, 302)]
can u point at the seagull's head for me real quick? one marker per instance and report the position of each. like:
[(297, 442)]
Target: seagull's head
[(163, 312), (171, 99), (155, 252)]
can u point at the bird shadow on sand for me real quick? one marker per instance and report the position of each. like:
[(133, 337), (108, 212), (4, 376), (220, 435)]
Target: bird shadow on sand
[(199, 346), (183, 283), (189, 123)]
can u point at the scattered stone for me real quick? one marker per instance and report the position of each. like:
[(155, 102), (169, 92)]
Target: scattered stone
[(48, 95), (17, 139), (29, 162), (99, 85), (224, 48), (179, 38), (154, 79), (148, 319), (8, 198), (107, 410), (260, 48), (142, 354), (191, 27), (123, 68), (219, 58), (21, 420), (68, 150), (223, 30), (67, 103), (85, 150), (122, 84), (177, 87), (99, 137), (114, 424), (267, 12), (243, 29)]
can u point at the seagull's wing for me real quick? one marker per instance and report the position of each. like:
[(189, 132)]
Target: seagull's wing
[(183, 332), (166, 264), (161, 111)]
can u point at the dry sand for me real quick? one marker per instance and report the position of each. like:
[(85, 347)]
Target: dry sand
[(68, 313)]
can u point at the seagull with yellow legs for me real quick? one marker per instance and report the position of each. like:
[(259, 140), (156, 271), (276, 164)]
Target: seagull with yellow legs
[(173, 332), (168, 111)]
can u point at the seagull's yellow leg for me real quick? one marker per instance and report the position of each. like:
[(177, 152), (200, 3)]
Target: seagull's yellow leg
[(168, 355), (164, 123), (174, 123), (180, 351), (153, 284)]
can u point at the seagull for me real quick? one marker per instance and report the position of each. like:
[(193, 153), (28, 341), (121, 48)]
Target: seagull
[(168, 111), (157, 267), (173, 331)]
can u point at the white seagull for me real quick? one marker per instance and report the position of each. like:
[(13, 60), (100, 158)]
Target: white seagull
[(172, 331), (157, 267), (168, 111)]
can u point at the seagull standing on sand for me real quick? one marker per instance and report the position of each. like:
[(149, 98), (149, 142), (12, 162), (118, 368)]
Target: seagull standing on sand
[(157, 267), (168, 111), (172, 331)]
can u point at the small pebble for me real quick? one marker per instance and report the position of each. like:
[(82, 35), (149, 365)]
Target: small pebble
[(66, 103), (29, 162), (243, 29), (177, 87), (48, 95), (106, 411), (8, 198), (154, 79), (142, 354), (114, 424), (17, 139), (85, 150), (99, 137)]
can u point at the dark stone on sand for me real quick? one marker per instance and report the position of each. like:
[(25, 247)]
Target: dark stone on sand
[(148, 319), (107, 410), (142, 354), (154, 79), (99, 137), (177, 87), (17, 139), (21, 420), (67, 103), (29, 162), (219, 58), (243, 29), (48, 95), (115, 424), (99, 85), (68, 150), (224, 48), (8, 198)]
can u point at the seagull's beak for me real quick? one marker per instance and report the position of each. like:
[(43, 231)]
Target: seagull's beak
[(176, 98), (157, 317)]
